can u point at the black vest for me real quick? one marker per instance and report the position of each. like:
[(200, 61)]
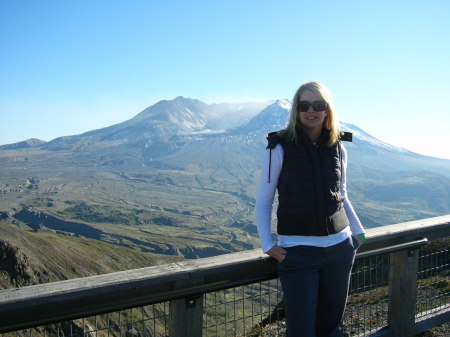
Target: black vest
[(309, 196)]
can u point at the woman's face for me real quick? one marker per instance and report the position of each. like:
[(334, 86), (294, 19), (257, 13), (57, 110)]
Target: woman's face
[(311, 119)]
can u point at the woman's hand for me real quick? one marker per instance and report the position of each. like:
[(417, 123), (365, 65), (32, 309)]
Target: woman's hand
[(277, 253), (361, 238)]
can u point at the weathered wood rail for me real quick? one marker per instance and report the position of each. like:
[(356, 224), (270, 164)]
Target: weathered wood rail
[(185, 283)]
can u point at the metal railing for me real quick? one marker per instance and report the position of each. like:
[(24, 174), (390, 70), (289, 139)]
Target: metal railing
[(400, 287)]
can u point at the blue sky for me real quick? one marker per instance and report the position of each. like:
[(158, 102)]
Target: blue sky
[(68, 67)]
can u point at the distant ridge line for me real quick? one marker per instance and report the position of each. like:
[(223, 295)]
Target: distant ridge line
[(29, 143)]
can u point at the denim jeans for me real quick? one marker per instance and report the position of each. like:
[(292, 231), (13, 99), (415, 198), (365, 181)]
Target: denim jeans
[(315, 282)]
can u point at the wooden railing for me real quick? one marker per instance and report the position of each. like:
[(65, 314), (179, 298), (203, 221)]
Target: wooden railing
[(185, 283)]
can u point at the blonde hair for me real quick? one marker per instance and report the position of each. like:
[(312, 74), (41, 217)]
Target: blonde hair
[(330, 123)]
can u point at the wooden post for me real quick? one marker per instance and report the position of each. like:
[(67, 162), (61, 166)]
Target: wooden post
[(403, 292), (186, 317)]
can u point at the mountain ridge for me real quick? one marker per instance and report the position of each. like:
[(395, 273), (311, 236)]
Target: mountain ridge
[(25, 144)]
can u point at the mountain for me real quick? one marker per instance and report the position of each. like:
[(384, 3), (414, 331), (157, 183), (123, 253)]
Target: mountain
[(32, 142), (181, 177), (162, 121)]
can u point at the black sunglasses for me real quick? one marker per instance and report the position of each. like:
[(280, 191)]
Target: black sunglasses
[(303, 106)]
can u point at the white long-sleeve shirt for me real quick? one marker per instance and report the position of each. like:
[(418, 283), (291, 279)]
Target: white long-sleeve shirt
[(264, 204)]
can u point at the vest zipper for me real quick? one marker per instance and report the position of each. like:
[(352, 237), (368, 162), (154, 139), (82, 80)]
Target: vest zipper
[(321, 190)]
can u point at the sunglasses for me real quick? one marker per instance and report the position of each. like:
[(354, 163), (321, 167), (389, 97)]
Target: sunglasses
[(304, 106)]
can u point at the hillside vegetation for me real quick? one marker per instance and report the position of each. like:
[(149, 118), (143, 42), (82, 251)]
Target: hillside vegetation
[(33, 257)]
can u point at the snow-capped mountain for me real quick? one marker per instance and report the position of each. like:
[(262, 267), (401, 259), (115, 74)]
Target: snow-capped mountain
[(162, 121)]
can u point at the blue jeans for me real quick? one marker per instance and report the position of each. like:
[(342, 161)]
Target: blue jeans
[(315, 282)]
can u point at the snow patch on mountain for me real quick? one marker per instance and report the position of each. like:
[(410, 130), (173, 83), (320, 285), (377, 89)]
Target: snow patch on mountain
[(284, 104), (227, 116), (188, 120), (272, 118)]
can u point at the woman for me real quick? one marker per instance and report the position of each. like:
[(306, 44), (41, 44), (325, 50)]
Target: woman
[(318, 230)]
